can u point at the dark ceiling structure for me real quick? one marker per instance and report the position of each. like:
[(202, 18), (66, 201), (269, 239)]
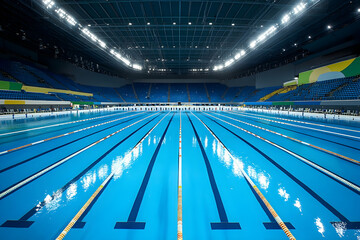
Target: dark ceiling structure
[(177, 38)]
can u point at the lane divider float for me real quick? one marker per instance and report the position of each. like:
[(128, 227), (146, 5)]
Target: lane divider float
[(62, 135), (179, 210), (294, 125), (310, 123), (56, 125), (23, 182), (256, 189), (103, 184), (339, 179), (297, 140)]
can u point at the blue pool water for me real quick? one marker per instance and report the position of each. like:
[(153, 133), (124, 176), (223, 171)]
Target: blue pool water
[(43, 187)]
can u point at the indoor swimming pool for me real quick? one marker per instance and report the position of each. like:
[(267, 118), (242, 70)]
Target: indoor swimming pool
[(115, 175)]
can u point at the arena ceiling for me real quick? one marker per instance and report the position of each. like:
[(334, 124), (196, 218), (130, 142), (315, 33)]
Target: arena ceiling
[(180, 37)]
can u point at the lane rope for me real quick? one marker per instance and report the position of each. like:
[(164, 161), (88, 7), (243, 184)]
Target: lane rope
[(63, 135), (54, 165), (93, 196), (256, 189), (296, 140), (310, 123), (179, 212), (294, 125), (312, 164), (56, 125)]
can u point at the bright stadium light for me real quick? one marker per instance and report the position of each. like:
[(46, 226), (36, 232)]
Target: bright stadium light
[(284, 22), (218, 67), (252, 44), (229, 62), (102, 44), (299, 8), (285, 19), (137, 66), (49, 3), (85, 32)]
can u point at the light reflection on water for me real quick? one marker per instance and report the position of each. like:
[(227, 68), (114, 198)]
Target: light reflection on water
[(282, 192), (298, 204), (224, 156), (320, 226), (88, 180), (71, 191), (118, 165), (340, 228)]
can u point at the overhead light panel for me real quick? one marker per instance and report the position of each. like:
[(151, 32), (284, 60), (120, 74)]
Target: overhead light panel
[(229, 62), (285, 21), (299, 8), (48, 3), (86, 33)]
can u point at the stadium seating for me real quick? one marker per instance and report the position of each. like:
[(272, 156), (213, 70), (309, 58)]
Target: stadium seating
[(31, 75)]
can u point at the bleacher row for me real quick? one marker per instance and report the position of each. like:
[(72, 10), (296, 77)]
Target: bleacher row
[(30, 75), (335, 89)]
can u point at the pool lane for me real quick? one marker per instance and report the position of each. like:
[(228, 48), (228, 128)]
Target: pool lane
[(16, 140), (335, 131), (13, 159), (50, 158), (62, 135), (331, 162), (309, 121), (284, 164), (85, 181), (146, 187)]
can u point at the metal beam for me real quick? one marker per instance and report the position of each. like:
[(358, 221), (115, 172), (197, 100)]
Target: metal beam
[(255, 2)]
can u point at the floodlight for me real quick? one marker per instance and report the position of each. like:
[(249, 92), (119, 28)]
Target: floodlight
[(285, 19), (137, 66), (229, 62), (252, 44)]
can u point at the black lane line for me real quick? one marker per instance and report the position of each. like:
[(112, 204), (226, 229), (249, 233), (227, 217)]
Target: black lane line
[(224, 222), (131, 222), (349, 224), (23, 221), (268, 225), (338, 143), (53, 149), (335, 179)]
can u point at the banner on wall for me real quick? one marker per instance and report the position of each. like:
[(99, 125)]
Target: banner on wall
[(348, 68)]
